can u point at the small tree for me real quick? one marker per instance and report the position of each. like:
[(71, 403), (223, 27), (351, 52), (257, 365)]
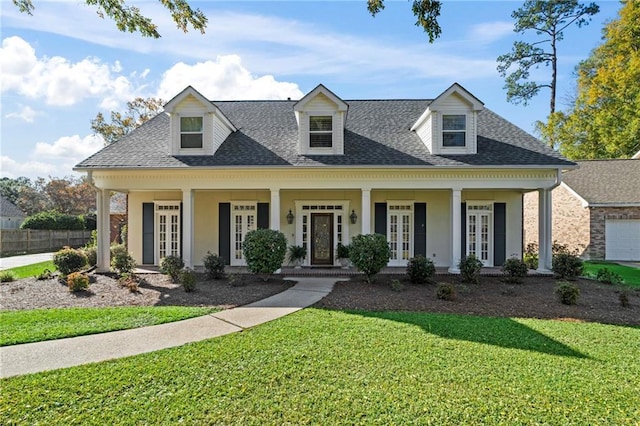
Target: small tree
[(264, 251), (370, 253)]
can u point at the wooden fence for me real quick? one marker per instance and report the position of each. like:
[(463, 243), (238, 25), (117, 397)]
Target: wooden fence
[(26, 241)]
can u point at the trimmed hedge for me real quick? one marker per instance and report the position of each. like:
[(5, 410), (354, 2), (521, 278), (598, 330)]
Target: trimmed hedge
[(53, 220)]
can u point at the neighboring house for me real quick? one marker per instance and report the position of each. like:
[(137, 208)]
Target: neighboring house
[(596, 210), (439, 177), (117, 216), (11, 216)]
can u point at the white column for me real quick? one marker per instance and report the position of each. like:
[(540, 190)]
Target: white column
[(187, 227), (456, 230), (544, 230), (103, 228), (274, 215), (366, 211)]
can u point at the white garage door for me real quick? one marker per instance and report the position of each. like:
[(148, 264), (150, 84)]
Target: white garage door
[(622, 239)]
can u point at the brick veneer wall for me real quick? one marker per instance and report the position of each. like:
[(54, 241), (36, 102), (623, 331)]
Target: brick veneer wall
[(116, 221), (570, 221), (598, 217)]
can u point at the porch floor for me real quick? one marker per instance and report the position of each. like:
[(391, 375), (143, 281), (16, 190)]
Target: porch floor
[(335, 271)]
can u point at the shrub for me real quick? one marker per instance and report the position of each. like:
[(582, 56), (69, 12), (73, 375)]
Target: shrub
[(124, 235), (235, 280), (91, 253), (121, 260), (557, 248), (264, 251), (93, 241), (514, 270), (213, 265), (7, 276), (370, 253), (470, 267), (69, 260), (567, 293), (566, 266), (530, 257), (188, 279), (77, 281), (342, 251), (89, 221), (446, 291), (296, 253), (53, 220), (608, 277), (624, 298), (420, 269), (130, 282), (45, 275), (171, 265), (396, 285)]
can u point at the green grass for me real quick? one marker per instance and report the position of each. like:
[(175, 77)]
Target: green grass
[(331, 367), (33, 270), (631, 276), (47, 324)]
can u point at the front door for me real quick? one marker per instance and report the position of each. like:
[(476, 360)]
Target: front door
[(168, 231), (399, 234), (322, 238)]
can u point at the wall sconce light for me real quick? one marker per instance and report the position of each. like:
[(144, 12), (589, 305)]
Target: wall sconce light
[(353, 217), (289, 217)]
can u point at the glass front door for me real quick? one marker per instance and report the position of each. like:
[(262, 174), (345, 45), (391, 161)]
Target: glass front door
[(168, 231), (399, 234), (322, 239)]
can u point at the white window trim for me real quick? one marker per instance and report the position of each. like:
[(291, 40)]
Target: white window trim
[(202, 132), (454, 149), (321, 132), (345, 212), (307, 136)]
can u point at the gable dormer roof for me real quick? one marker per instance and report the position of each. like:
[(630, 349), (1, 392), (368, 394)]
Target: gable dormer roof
[(474, 103), (207, 105), (321, 89)]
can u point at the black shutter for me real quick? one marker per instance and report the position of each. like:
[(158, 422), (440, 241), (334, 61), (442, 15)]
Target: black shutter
[(224, 232), (499, 233), (381, 218), (263, 215), (148, 212), (463, 230), (420, 229)]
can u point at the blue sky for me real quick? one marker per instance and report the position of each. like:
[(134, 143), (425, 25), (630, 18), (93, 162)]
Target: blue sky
[(64, 64)]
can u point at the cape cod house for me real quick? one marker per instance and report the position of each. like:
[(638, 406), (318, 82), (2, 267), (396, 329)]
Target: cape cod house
[(441, 177)]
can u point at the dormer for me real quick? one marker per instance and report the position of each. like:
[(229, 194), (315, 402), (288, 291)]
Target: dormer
[(321, 117), (449, 124), (198, 127)]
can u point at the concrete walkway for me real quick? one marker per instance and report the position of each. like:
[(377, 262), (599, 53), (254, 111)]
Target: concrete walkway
[(50, 355), (24, 260)]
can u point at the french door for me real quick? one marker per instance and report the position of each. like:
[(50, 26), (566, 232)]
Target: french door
[(243, 220), (479, 233), (399, 234), (168, 230)]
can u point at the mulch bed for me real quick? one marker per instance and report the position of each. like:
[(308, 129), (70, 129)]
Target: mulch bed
[(534, 298)]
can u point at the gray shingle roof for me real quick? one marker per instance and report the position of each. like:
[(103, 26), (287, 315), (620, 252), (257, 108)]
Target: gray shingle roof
[(606, 181), (377, 133), (8, 209)]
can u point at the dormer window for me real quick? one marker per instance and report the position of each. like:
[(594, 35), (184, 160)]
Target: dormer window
[(454, 131), (191, 132), (320, 131)]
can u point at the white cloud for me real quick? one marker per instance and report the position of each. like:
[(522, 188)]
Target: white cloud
[(55, 159), (224, 79), (26, 113), (488, 32), (59, 81)]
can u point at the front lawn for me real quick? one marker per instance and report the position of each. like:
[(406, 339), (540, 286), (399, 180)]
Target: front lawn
[(32, 270), (333, 367), (48, 324), (631, 276)]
